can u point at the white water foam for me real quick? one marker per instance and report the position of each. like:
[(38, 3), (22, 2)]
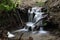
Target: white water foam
[(41, 31), (10, 35), (30, 24)]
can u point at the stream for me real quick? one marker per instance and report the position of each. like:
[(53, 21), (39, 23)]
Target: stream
[(35, 21)]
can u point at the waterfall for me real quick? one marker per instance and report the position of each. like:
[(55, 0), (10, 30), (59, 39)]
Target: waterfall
[(35, 18), (30, 16)]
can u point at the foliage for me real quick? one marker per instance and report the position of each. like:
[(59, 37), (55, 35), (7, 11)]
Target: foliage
[(6, 5), (17, 2)]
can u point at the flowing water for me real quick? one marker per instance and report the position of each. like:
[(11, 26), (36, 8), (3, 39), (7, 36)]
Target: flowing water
[(34, 19), (42, 31), (37, 19)]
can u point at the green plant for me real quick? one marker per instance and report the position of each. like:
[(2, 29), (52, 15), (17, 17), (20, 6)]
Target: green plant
[(6, 5)]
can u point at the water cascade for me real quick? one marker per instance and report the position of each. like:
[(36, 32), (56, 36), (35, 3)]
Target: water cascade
[(36, 19)]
